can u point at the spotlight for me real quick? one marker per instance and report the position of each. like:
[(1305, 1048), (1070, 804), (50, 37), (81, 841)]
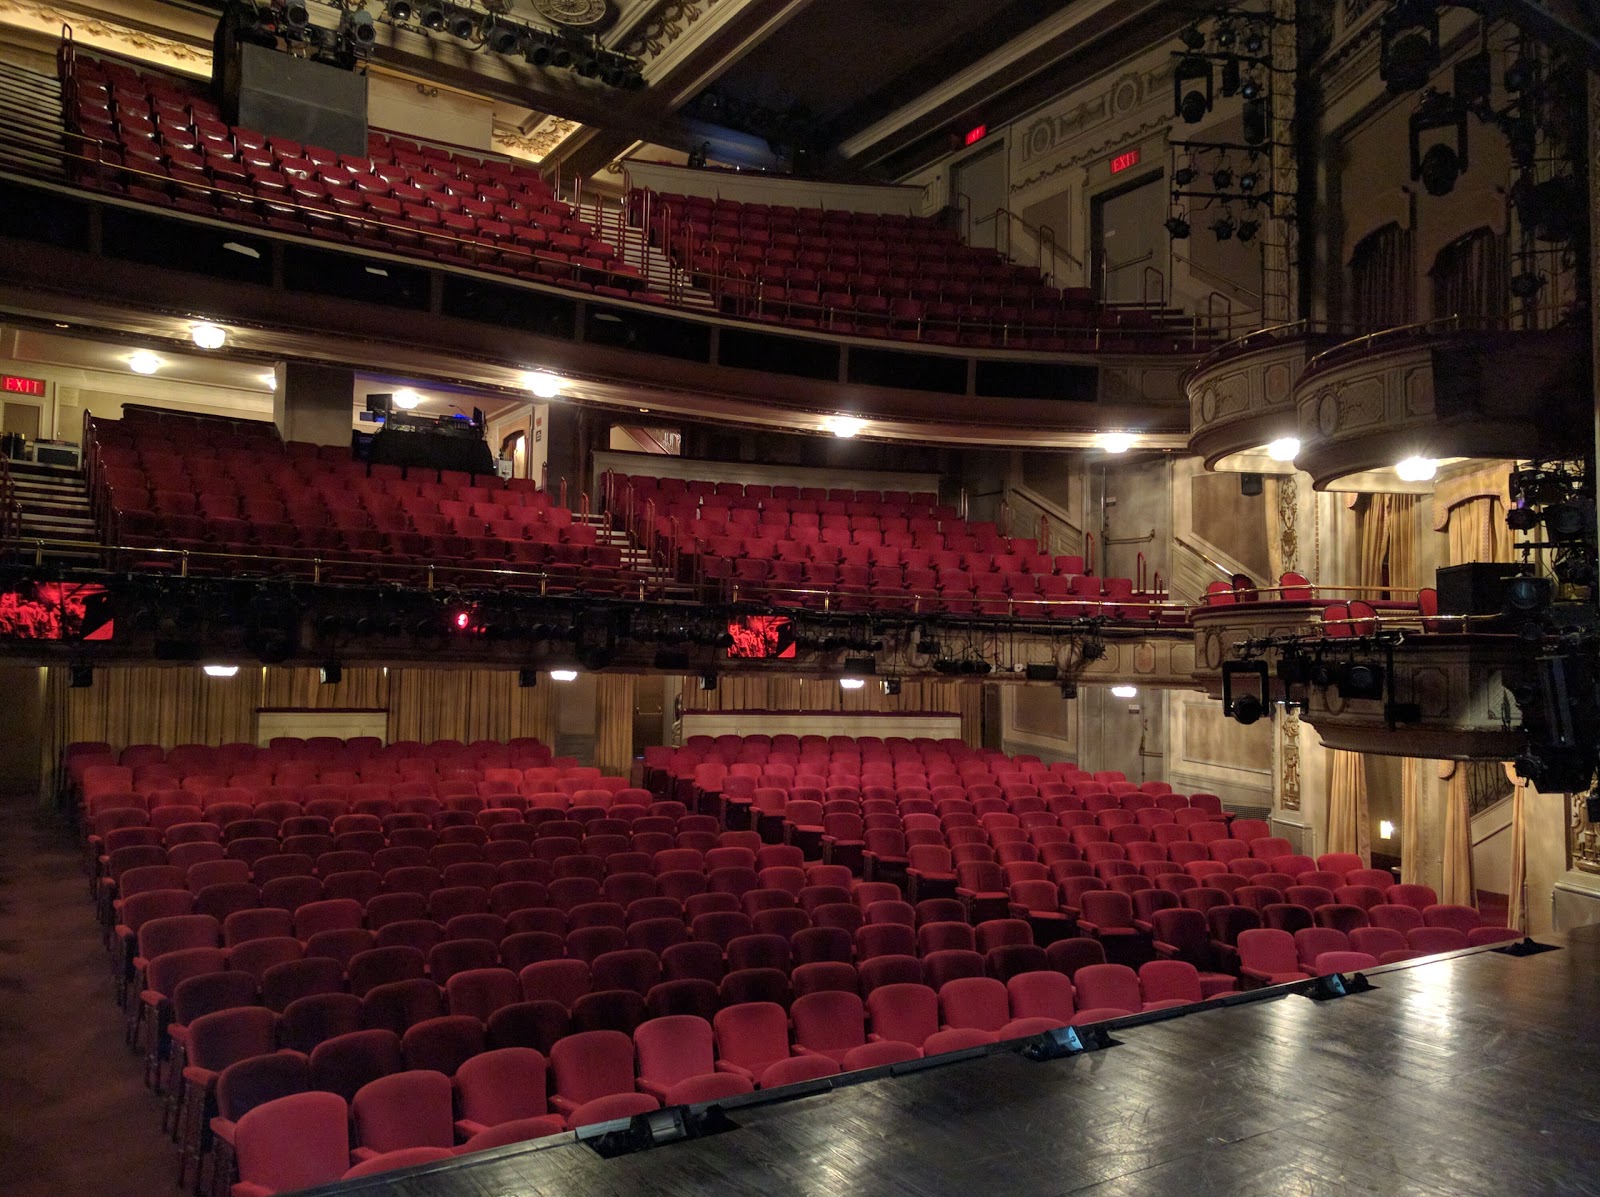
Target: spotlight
[(463, 25), (1193, 38), (563, 675), (633, 80), (406, 399), (357, 25), (1254, 42), (400, 10), (332, 673), (1360, 679), (504, 39), (1222, 178), (561, 57), (1183, 176), (1251, 89), (1231, 76), (1527, 284), (1522, 519), (1190, 102), (1569, 521), (1069, 690), (708, 681), (844, 426), (1223, 227), (432, 17), (1248, 229), (1528, 595), (538, 53), (588, 67), (1226, 36), (1177, 227), (1440, 169), (209, 336), (1254, 122), (1416, 469), (1249, 181), (1092, 650), (891, 686), (1409, 53), (1521, 74), (1246, 708), (295, 15)]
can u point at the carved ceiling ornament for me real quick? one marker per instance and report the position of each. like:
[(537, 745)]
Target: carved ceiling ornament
[(661, 26), (94, 31), (578, 13), (536, 144), (1289, 762)]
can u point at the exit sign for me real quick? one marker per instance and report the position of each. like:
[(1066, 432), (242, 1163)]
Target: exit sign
[(976, 134), (14, 385), (1124, 160)]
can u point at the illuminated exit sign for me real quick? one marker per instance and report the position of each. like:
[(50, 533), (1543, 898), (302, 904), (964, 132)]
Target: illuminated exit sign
[(13, 385), (1122, 161), (976, 134)]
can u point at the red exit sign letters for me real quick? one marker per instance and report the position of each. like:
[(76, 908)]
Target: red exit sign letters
[(14, 385), (1124, 160)]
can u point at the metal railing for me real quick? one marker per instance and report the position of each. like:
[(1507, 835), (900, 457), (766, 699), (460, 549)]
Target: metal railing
[(10, 506), (1380, 340)]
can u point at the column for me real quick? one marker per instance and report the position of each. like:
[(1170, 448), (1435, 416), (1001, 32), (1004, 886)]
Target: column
[(314, 403)]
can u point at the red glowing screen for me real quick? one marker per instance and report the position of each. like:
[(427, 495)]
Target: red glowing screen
[(976, 134), (16, 385), (759, 637), (1122, 161), (56, 611)]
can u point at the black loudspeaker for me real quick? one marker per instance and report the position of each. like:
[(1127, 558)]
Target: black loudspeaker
[(1042, 673), (296, 98), (1477, 588), (332, 673), (1250, 485), (708, 681), (80, 677), (527, 678)]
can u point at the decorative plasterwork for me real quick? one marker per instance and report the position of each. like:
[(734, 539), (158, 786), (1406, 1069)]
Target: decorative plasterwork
[(1054, 141), (1289, 761), (97, 32), (661, 26), (536, 144)]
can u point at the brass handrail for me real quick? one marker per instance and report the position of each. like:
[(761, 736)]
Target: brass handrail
[(1365, 343)]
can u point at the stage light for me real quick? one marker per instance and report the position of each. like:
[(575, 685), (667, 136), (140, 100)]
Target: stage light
[(633, 81), (1193, 38), (1248, 709), (1254, 122), (1177, 228), (1231, 76), (504, 38), (432, 16), (463, 25), (1247, 230), (563, 675), (1360, 679), (542, 383), (527, 679), (1223, 227), (1249, 180), (1527, 284), (851, 683), (1225, 36), (1522, 519), (399, 10), (844, 426), (708, 681), (1254, 42), (80, 677), (891, 686), (1116, 442), (1191, 103), (357, 25), (1192, 108), (295, 15), (1568, 521), (1440, 169), (144, 362), (332, 673), (1124, 691), (219, 670), (1409, 52), (1528, 595), (208, 336), (1183, 176), (1251, 89), (1521, 74), (1416, 469), (588, 67), (1285, 448), (561, 57), (538, 52)]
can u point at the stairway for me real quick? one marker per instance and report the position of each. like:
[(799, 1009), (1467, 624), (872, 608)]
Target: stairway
[(662, 277), (30, 122), (54, 502), (657, 579)]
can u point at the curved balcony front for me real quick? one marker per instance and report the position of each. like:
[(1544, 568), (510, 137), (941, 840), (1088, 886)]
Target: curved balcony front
[(1241, 396)]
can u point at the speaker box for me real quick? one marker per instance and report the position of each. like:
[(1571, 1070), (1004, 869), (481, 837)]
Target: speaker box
[(298, 98), (1250, 485), (1477, 588)]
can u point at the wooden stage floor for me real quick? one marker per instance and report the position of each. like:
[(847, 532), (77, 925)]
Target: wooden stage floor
[(1475, 1074)]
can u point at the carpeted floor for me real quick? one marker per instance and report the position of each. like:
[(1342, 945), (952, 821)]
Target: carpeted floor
[(75, 1117)]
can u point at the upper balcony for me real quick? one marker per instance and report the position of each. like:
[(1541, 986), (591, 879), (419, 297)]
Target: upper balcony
[(472, 269)]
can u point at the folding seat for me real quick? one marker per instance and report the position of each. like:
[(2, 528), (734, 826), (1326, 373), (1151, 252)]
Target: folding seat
[(828, 1023), (1285, 916), (300, 1141), (1343, 918), (982, 1003), (405, 1110), (1312, 942), (382, 965), (399, 1005), (290, 980), (1166, 984), (1041, 994), (1431, 940), (1464, 919), (442, 1044), (1183, 935), (672, 1050), (1364, 896), (901, 1013), (1269, 957), (215, 1041), (1309, 896), (590, 1065), (1382, 879)]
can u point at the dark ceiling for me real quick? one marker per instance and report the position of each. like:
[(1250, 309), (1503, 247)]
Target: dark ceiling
[(842, 64)]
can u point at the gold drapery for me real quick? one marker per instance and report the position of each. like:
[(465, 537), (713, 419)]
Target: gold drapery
[(786, 692), (1456, 885), (1517, 886), (1410, 822), (358, 688), (614, 703), (467, 705), (1348, 829)]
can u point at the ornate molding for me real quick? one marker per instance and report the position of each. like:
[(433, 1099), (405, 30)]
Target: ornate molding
[(97, 32), (1052, 133), (1288, 518), (536, 144), (1289, 762), (661, 26)]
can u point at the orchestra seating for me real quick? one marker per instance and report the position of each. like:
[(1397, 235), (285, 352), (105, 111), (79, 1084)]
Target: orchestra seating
[(413, 907), (858, 550), (219, 487)]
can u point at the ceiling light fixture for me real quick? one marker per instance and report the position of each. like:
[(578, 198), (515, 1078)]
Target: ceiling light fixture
[(563, 675), (209, 336), (1416, 469), (220, 670), (844, 426), (542, 383), (144, 362), (406, 399), (1116, 442), (851, 683), (1124, 691), (1285, 448), (269, 379)]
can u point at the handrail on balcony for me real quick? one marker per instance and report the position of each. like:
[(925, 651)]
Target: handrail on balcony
[(1380, 338)]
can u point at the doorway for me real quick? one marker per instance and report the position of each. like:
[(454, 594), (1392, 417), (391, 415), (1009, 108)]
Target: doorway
[(978, 186), (1129, 239)]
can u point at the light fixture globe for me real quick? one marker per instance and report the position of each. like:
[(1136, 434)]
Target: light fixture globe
[(1285, 448), (542, 383), (1116, 442), (206, 335), (1416, 469), (144, 362)]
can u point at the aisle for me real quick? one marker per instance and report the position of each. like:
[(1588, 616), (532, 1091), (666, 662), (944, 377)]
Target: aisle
[(75, 1117)]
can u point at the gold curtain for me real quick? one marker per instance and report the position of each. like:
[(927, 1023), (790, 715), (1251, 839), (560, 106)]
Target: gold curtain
[(1457, 885), (1348, 829), (1402, 541), (1477, 531), (1410, 822), (613, 718), (1374, 541), (786, 692), (362, 688), (469, 704)]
